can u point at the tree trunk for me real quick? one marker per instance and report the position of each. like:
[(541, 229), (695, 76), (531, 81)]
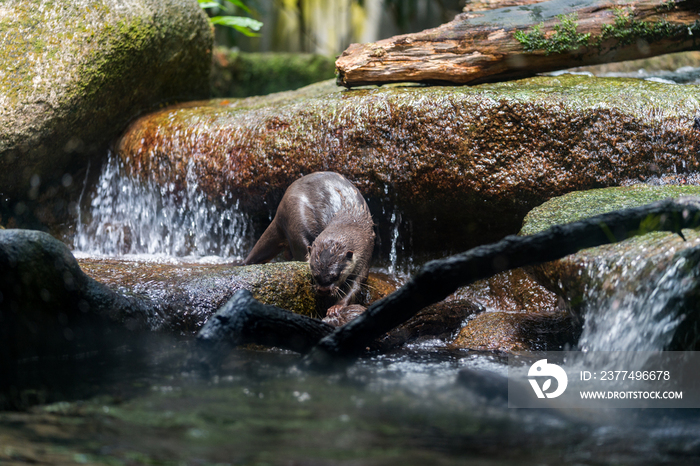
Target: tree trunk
[(520, 41)]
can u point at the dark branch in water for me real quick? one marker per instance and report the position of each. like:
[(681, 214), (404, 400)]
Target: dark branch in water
[(438, 279), (245, 320)]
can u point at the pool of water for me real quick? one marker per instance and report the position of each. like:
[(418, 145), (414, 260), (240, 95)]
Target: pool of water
[(145, 403)]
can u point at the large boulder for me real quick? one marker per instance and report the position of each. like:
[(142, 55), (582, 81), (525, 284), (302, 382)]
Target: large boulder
[(465, 164), (73, 74), (639, 294)]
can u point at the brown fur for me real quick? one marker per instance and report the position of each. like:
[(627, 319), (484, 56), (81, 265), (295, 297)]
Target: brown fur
[(324, 219)]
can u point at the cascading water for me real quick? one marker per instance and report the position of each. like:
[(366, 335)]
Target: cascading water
[(133, 216), (644, 310)]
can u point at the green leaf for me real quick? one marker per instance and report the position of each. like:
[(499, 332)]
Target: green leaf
[(240, 23), (239, 4), (208, 4)]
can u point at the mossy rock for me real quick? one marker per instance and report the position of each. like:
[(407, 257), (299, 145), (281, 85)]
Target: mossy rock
[(74, 74), (464, 163), (583, 204), (186, 295), (610, 274)]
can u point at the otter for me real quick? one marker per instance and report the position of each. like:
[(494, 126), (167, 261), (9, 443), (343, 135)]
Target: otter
[(324, 219)]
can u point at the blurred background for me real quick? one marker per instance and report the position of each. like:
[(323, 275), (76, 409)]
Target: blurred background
[(327, 27)]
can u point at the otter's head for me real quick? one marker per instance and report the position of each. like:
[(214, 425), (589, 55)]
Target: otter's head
[(331, 263)]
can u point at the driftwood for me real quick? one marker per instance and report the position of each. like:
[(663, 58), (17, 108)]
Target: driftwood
[(244, 320), (515, 42)]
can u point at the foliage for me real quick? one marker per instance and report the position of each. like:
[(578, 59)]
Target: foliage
[(243, 24), (564, 39), (626, 30)]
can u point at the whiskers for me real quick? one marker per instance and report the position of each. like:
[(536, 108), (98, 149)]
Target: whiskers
[(340, 292), (367, 287)]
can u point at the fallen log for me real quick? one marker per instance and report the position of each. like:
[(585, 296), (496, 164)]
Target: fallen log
[(517, 42), (244, 320), (438, 279)]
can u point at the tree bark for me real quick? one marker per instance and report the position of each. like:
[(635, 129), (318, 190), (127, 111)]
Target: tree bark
[(515, 42), (244, 320), (438, 279)]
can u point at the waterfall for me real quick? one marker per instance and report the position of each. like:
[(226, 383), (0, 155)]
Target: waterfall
[(128, 215), (638, 305)]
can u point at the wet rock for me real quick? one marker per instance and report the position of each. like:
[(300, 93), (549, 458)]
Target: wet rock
[(634, 295), (465, 164), (48, 305), (74, 74), (520, 315), (441, 320), (512, 291), (186, 295), (241, 74), (518, 331)]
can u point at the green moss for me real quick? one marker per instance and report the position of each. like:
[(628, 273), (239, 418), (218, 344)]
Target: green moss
[(564, 39), (626, 30), (666, 6), (583, 204)]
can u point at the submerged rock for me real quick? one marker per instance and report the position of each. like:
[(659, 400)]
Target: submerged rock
[(74, 73), (640, 294), (465, 164), (186, 295)]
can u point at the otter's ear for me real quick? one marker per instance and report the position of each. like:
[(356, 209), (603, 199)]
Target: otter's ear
[(308, 253), (348, 255)]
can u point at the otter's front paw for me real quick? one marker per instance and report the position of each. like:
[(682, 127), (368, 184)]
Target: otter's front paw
[(340, 315)]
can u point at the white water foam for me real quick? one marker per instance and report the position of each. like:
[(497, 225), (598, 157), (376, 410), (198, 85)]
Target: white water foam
[(134, 217), (642, 314)]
